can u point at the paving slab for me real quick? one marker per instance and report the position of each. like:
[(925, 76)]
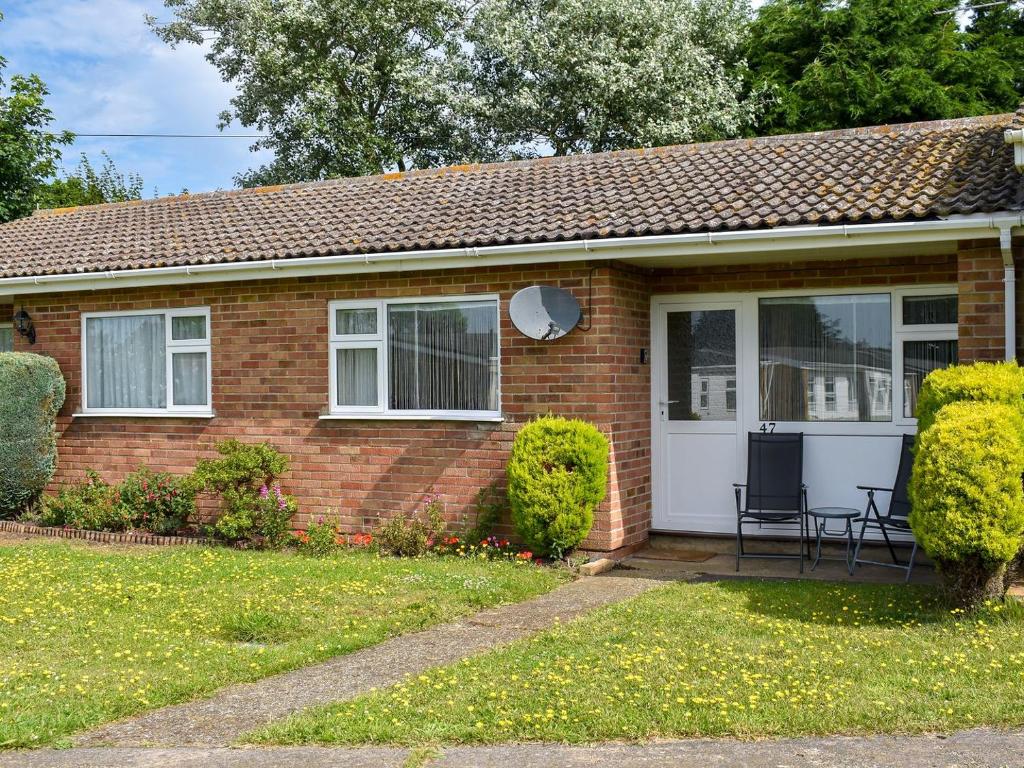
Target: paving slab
[(237, 709), (978, 748)]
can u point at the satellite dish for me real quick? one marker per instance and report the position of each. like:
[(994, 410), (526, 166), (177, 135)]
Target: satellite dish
[(544, 312)]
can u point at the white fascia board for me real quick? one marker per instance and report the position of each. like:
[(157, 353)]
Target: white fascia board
[(788, 239)]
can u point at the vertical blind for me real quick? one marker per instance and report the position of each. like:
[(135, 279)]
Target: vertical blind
[(126, 365), (826, 358), (443, 356)]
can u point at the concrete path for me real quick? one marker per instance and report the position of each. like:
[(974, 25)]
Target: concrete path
[(220, 720), (975, 749)]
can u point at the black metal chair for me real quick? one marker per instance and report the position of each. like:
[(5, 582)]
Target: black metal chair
[(775, 492), (895, 518)]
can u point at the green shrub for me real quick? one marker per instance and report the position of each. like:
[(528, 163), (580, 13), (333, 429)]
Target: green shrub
[(156, 501), (966, 496), (252, 505), (31, 395), (320, 539), (412, 536), (92, 506), (983, 382), (557, 475)]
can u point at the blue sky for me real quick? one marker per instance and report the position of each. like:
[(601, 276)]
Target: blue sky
[(107, 73)]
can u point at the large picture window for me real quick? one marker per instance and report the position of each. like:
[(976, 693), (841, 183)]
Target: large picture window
[(826, 358), (147, 362), (408, 358)]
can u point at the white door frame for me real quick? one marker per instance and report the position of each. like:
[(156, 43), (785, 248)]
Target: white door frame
[(661, 427)]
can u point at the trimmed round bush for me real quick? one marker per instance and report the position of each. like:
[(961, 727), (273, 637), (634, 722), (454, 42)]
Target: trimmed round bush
[(31, 394), (967, 503), (557, 475), (982, 382)]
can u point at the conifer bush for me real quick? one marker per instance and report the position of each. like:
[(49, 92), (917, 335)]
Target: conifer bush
[(981, 382), (967, 501), (31, 394), (557, 475)]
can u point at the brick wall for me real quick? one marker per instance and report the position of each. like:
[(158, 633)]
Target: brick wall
[(851, 273), (270, 362), (982, 318)]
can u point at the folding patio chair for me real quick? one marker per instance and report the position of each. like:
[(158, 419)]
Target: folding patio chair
[(895, 518), (775, 493)]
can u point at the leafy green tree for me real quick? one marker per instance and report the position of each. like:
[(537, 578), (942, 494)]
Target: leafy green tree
[(341, 87), (595, 75), (28, 151), (832, 64), (87, 186)]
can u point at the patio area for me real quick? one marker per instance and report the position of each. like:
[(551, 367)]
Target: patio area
[(680, 557)]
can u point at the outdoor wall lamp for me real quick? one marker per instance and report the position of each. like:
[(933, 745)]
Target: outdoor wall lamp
[(23, 324)]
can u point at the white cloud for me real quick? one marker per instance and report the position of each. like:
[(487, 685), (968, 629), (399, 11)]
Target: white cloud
[(107, 73)]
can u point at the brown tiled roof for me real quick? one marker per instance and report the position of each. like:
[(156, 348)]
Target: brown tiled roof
[(922, 170)]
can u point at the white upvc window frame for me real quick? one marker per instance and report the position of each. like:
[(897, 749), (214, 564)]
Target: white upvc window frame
[(171, 348), (9, 325), (903, 332), (378, 341)]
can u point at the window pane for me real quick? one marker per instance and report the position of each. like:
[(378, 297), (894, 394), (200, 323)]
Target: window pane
[(443, 356), (125, 362), (919, 359), (826, 358), (357, 376), (188, 373), (701, 358), (6, 338), (929, 310), (188, 328), (353, 321)]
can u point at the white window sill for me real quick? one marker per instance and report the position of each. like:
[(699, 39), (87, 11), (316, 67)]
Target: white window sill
[(128, 414), (487, 418)]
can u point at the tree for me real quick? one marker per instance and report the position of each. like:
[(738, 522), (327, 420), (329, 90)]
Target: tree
[(28, 151), (835, 64), (341, 87), (86, 186), (996, 36), (595, 75)]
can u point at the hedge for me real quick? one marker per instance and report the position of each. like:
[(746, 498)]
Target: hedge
[(31, 394), (557, 475)]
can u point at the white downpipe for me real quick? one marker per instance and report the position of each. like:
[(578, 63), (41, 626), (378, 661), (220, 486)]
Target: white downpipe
[(1009, 290)]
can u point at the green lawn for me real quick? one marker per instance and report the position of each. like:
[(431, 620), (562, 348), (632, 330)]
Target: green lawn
[(88, 635), (741, 658)]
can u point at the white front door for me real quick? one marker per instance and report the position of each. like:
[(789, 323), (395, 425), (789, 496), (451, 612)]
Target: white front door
[(697, 413)]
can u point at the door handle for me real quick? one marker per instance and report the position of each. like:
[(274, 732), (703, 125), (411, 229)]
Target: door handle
[(663, 403)]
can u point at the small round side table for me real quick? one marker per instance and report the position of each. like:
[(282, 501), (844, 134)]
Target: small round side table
[(822, 516)]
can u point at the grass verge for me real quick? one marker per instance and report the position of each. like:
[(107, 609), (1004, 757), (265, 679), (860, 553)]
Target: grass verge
[(737, 658), (89, 635)]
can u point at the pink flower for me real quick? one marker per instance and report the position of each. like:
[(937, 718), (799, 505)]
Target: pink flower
[(264, 492)]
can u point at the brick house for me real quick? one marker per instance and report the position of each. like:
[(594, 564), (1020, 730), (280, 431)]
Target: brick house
[(800, 282)]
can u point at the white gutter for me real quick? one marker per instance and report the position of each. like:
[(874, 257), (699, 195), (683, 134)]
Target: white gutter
[(788, 239)]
